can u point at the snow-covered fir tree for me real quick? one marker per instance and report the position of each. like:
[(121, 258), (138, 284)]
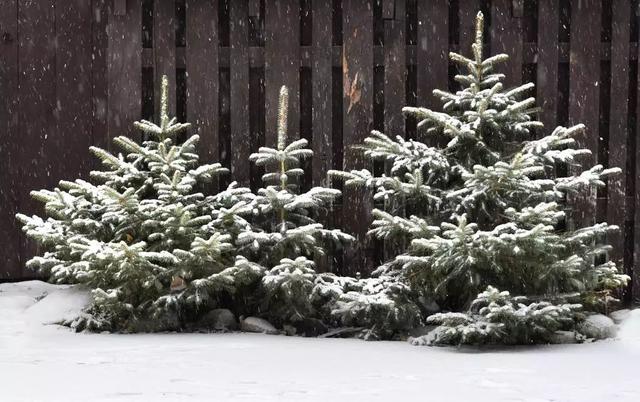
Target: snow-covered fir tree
[(285, 218), (140, 232), (485, 211)]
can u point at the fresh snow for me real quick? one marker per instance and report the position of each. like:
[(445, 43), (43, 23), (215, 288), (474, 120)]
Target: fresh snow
[(40, 362)]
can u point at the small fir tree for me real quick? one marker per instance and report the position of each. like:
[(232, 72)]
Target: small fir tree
[(485, 209), (285, 236), (139, 233)]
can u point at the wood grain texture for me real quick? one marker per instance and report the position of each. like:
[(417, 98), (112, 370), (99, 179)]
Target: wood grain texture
[(584, 77), (357, 72), (239, 102), (618, 124), (10, 176), (506, 37), (548, 58), (164, 51), (282, 65), (203, 78), (36, 143), (124, 71)]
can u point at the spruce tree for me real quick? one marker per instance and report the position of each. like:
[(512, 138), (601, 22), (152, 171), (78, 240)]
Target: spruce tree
[(140, 232), (485, 211), (285, 236)]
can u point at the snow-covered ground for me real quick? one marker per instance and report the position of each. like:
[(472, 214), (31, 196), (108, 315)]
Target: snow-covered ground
[(49, 363)]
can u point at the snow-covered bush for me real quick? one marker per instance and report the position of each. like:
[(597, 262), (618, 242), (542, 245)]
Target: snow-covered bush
[(497, 318), (488, 206)]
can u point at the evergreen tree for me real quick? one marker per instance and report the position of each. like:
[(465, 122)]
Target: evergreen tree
[(285, 218), (139, 233), (486, 208), (285, 236)]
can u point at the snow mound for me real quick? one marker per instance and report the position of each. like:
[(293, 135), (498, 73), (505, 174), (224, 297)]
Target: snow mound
[(38, 303), (72, 367), (630, 329)]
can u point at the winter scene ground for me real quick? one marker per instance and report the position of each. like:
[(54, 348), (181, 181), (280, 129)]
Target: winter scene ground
[(40, 361)]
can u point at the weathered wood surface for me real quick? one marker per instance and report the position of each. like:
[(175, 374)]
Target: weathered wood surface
[(74, 76)]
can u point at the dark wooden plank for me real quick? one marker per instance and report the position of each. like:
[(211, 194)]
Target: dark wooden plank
[(239, 107), (432, 51), (99, 81), (322, 143), (395, 71), (37, 97), (10, 159), (618, 128), (395, 77), (548, 54), (468, 9), (388, 9), (584, 79), (124, 71), (120, 7), (635, 277), (254, 8), (322, 106), (74, 108), (203, 77), (282, 64), (164, 50), (357, 71), (506, 37)]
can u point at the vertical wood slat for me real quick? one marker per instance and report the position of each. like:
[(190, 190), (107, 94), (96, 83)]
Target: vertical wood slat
[(635, 277), (357, 70), (506, 37), (203, 77), (282, 65), (618, 128), (10, 177), (395, 78), (322, 102), (124, 71), (36, 142), (164, 51), (432, 51), (395, 71), (73, 89), (239, 76), (547, 74), (584, 76), (467, 11), (99, 80)]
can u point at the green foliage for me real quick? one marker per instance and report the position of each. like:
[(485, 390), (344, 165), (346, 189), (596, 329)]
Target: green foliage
[(498, 318), (487, 208), (139, 230), (285, 225)]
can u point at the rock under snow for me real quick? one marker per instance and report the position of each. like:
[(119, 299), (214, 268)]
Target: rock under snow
[(310, 327), (429, 338), (564, 337), (598, 326), (255, 324), (620, 315), (220, 319)]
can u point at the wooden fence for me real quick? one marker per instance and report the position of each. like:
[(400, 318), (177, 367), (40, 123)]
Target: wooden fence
[(76, 73)]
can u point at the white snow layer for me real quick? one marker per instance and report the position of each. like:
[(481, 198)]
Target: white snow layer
[(49, 363)]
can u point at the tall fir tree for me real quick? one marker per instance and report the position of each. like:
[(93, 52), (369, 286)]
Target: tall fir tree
[(486, 210)]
